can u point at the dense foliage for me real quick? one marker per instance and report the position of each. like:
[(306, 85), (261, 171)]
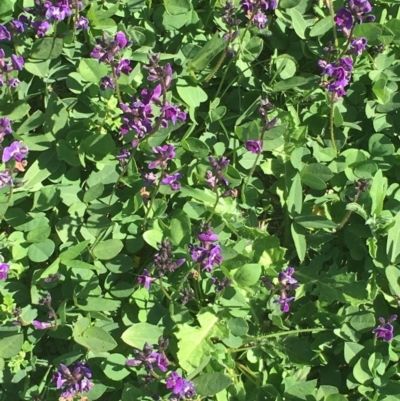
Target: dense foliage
[(199, 200)]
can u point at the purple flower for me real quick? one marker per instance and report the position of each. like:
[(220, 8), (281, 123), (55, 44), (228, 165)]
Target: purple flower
[(385, 329), (165, 153), (207, 236), (150, 178), (179, 386), (58, 12), (229, 15), (82, 23), (4, 33), (344, 20), (14, 151), (52, 277), (4, 268), (123, 156), (123, 67), (357, 46), (260, 20), (221, 284), (163, 260), (146, 279), (73, 380), (284, 302), (149, 359), (107, 82), (41, 325), (214, 178), (339, 74), (172, 113), (17, 62), (253, 146), (158, 73), (5, 127), (171, 180), (106, 50), (286, 280), (13, 82), (41, 27), (18, 26), (5, 178)]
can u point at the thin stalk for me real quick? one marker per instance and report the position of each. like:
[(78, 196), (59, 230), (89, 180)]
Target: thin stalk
[(75, 20), (164, 290), (274, 335), (348, 214), (332, 14), (116, 82), (153, 196), (214, 207), (331, 125)]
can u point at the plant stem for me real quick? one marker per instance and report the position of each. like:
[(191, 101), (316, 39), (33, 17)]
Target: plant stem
[(331, 122), (329, 3), (280, 334), (153, 196), (348, 214), (214, 207), (116, 82)]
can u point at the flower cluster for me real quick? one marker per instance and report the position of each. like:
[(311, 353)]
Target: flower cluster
[(207, 254), (221, 284), (13, 155), (231, 22), (256, 146), (145, 279), (138, 116), (150, 359), (255, 10), (73, 380), (4, 268), (163, 155), (180, 387), (339, 75), (288, 285), (385, 329), (46, 301), (44, 11), (347, 17), (215, 177), (16, 63), (163, 260)]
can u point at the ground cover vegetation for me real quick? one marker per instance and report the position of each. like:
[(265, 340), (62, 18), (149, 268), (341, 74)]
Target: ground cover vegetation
[(199, 200)]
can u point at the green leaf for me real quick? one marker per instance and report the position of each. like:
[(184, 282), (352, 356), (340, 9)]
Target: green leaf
[(314, 221), (176, 7), (140, 333), (293, 82), (248, 274), (299, 239), (114, 367), (361, 371), (41, 251), (192, 95), (393, 276), (363, 321), (91, 70), (40, 69), (252, 49), (378, 193), (46, 164), (11, 345), (93, 193), (15, 110), (211, 383), (315, 175), (336, 397), (351, 351), (380, 145), (74, 251), (194, 145), (321, 27), (238, 326), (194, 342), (98, 304), (289, 3), (38, 234), (299, 24), (206, 54), (108, 249), (153, 237), (6, 9), (393, 241), (47, 48), (295, 199), (97, 339)]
